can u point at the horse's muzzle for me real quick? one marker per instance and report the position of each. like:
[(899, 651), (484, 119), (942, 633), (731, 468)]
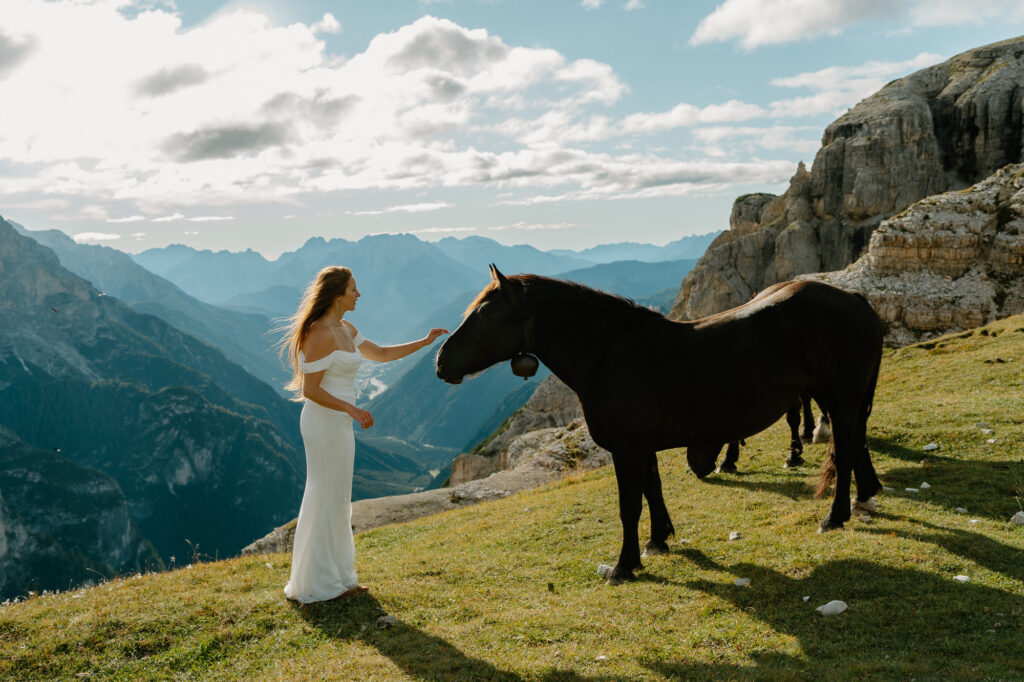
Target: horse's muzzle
[(448, 378)]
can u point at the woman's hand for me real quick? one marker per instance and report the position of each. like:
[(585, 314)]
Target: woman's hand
[(433, 334), (364, 418)]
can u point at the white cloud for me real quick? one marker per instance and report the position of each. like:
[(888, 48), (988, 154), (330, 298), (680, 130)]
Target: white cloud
[(804, 139), (127, 219), (769, 22), (633, 5), (530, 227), (591, 4), (328, 24), (688, 115), (840, 87), (209, 218), (406, 208), (169, 218), (87, 237)]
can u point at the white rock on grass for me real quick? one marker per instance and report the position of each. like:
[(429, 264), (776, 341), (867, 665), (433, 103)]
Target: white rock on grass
[(912, 490), (604, 570), (1018, 518), (962, 578), (930, 447), (986, 431), (742, 582), (735, 535), (888, 489), (962, 510), (833, 608), (925, 485), (974, 522), (991, 440), (807, 598)]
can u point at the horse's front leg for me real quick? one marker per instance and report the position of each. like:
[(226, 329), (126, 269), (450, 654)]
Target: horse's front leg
[(796, 448), (630, 469), (808, 433), (732, 455), (661, 524)]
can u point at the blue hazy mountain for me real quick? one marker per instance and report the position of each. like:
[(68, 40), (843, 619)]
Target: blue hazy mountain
[(477, 252), (632, 278), (693, 246)]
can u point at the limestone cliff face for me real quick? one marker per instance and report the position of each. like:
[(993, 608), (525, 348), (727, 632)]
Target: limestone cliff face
[(552, 404), (941, 128), (950, 262), (61, 523)]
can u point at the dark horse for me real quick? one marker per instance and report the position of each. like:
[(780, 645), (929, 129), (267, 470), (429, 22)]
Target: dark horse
[(796, 438), (647, 384)]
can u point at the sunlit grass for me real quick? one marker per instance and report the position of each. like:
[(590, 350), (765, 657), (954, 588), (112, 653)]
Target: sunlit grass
[(509, 589)]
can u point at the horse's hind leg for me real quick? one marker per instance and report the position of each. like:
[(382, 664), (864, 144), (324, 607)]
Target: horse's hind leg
[(843, 454), (661, 524), (796, 448), (630, 469)]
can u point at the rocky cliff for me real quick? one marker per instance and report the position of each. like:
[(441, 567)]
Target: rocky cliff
[(552, 404), (62, 523), (949, 262), (942, 128), (200, 450)]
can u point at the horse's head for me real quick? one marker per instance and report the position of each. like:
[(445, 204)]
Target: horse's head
[(494, 329)]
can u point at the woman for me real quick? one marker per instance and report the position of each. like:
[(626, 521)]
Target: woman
[(325, 351)]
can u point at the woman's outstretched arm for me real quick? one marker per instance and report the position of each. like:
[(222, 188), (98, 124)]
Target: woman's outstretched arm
[(372, 351)]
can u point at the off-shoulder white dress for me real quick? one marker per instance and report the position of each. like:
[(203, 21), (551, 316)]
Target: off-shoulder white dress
[(323, 558)]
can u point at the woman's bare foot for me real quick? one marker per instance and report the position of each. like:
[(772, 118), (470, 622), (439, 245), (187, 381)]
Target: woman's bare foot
[(351, 592)]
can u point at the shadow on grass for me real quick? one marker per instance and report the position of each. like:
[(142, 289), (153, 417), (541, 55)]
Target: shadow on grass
[(901, 623), (795, 488), (420, 655)]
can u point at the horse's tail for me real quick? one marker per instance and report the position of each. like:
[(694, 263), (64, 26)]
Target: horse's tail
[(828, 471)]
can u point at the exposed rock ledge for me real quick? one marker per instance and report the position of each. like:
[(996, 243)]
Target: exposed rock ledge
[(552, 404), (536, 458), (948, 263)]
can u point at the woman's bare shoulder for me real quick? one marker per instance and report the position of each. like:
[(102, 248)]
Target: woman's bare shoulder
[(319, 342), (350, 328)]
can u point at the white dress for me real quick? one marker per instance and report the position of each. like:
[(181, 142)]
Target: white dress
[(323, 558)]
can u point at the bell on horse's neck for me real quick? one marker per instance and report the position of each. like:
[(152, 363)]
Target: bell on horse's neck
[(524, 365)]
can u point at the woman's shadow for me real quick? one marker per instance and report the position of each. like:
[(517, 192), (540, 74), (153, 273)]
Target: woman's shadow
[(420, 655)]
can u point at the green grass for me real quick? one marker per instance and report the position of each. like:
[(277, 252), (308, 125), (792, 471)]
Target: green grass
[(508, 590)]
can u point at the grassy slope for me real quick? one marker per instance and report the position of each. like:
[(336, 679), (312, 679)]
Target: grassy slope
[(508, 590)]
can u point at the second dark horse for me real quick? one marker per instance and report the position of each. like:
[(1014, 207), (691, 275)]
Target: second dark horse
[(647, 383)]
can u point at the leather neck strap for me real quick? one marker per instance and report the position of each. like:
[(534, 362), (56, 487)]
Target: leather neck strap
[(528, 334)]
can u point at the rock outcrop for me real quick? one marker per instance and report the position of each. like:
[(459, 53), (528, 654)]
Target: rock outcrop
[(942, 128), (535, 458), (948, 263), (552, 404)]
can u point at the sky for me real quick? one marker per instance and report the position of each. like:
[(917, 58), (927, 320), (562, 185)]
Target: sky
[(556, 123)]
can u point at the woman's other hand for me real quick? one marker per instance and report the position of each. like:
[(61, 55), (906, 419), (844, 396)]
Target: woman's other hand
[(364, 418)]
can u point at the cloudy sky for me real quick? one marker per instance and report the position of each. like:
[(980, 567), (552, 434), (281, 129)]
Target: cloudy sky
[(557, 123)]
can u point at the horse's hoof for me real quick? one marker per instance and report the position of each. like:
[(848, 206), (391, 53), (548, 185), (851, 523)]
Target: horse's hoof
[(726, 469), (793, 462), (652, 549), (867, 505), (827, 524)]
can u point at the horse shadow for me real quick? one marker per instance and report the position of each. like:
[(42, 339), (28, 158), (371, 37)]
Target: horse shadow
[(793, 487), (420, 655), (907, 623)]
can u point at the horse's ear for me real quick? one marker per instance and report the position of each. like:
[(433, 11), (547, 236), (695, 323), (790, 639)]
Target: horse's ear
[(499, 278)]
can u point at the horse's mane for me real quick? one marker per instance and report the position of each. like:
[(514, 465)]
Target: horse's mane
[(568, 296)]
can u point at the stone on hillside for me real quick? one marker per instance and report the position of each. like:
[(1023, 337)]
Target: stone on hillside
[(939, 129), (912, 490), (930, 447), (742, 582), (553, 404), (962, 510), (833, 608), (1018, 518), (962, 578), (925, 485), (735, 535)]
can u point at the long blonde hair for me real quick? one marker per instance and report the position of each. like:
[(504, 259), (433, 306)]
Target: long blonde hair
[(330, 283)]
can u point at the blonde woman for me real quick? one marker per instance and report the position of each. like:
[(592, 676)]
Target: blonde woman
[(325, 351)]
